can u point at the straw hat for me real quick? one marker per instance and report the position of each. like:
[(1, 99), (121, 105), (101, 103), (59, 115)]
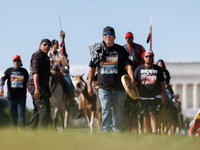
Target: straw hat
[(133, 93)]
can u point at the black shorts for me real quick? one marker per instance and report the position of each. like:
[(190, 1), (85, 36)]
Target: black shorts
[(130, 101), (147, 106)]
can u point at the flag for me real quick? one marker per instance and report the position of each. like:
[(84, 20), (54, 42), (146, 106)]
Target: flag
[(62, 44)]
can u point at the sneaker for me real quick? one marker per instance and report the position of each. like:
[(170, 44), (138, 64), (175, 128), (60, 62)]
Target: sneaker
[(79, 114)]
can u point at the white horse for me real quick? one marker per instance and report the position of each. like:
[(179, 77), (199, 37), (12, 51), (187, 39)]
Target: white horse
[(59, 101)]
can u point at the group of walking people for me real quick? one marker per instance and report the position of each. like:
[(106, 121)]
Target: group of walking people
[(37, 83), (112, 62)]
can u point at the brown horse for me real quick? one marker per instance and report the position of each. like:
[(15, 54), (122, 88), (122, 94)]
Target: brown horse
[(166, 117), (131, 120), (90, 105)]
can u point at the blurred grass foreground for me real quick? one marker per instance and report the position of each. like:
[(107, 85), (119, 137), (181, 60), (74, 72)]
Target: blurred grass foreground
[(80, 138)]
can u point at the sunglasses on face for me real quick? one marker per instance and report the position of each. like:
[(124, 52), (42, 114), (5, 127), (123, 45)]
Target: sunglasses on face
[(110, 33), (128, 37), (150, 56), (16, 60), (45, 44)]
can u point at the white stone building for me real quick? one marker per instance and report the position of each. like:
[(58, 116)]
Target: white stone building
[(185, 80)]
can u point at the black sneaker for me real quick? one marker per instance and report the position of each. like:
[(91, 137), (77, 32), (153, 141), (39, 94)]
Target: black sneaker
[(79, 114)]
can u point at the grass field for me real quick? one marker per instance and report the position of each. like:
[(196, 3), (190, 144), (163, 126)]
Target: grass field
[(80, 138)]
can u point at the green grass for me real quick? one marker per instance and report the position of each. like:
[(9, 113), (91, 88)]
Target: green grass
[(75, 139)]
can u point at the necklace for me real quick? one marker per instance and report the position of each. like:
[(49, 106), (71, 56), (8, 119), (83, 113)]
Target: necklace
[(148, 72)]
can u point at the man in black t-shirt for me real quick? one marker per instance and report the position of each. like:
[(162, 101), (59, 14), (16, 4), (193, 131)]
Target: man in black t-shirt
[(110, 60), (150, 84), (17, 78)]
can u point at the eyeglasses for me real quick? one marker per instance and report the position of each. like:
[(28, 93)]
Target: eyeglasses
[(16, 60), (128, 37), (110, 34), (150, 56), (45, 44)]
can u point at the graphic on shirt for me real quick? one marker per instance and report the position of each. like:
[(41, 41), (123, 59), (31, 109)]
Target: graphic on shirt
[(110, 66), (165, 76), (148, 76), (16, 80)]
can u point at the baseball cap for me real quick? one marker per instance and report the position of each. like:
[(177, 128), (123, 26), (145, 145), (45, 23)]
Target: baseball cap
[(129, 34), (16, 57), (45, 40), (109, 29)]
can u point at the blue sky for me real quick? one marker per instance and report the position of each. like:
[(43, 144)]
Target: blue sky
[(176, 27)]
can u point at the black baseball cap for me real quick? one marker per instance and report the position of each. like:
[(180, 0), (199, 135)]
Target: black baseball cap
[(109, 29)]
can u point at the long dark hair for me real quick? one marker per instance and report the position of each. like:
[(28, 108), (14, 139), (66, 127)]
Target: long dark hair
[(53, 42), (160, 60)]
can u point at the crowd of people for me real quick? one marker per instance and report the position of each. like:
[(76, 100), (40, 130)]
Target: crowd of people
[(111, 61)]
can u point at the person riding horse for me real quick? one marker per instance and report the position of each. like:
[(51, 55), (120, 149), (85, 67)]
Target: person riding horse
[(60, 65)]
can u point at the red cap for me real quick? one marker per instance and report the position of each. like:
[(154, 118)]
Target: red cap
[(151, 52), (129, 34), (16, 57)]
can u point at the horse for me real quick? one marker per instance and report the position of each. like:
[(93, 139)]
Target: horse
[(166, 117), (91, 105), (131, 120), (178, 120), (59, 100)]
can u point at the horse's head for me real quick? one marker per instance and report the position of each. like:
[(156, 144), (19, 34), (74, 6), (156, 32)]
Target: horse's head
[(79, 84)]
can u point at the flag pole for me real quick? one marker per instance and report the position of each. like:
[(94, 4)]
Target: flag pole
[(60, 22), (149, 38), (151, 33)]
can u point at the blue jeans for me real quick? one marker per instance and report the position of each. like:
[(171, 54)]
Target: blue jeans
[(115, 99), (70, 86), (17, 112)]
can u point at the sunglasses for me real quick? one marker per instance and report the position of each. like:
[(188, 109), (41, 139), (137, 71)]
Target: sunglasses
[(45, 44), (128, 37), (16, 60), (150, 56), (110, 34)]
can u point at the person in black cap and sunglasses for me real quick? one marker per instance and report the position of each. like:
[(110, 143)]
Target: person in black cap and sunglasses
[(110, 60), (17, 78), (38, 86)]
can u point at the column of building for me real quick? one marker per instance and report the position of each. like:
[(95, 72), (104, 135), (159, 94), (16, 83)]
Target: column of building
[(195, 95), (184, 96)]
